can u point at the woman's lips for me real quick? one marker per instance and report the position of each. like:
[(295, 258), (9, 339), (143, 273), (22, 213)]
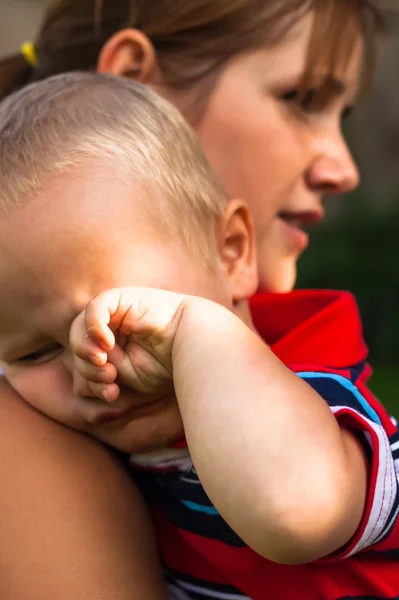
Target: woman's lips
[(302, 218), (294, 222), (297, 239)]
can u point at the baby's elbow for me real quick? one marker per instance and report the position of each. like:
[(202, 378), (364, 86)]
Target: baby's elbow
[(304, 533)]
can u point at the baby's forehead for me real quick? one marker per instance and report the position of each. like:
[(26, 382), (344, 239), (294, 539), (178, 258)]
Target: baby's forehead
[(76, 234), (86, 200), (64, 229)]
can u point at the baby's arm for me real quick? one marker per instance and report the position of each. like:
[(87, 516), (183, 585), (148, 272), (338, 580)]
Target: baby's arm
[(266, 447)]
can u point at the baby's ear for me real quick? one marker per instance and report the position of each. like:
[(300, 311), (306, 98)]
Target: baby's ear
[(236, 245)]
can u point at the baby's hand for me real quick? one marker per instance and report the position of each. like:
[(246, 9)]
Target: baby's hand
[(126, 335)]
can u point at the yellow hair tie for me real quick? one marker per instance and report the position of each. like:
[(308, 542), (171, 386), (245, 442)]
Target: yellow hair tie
[(29, 53)]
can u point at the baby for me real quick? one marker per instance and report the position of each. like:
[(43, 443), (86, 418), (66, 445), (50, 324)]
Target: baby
[(125, 274)]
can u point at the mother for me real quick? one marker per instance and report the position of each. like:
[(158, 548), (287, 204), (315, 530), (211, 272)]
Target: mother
[(265, 85)]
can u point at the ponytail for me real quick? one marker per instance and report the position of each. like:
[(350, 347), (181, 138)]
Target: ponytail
[(16, 70)]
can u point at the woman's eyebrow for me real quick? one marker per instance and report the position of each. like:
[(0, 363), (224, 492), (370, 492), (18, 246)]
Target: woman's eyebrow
[(337, 85), (333, 85)]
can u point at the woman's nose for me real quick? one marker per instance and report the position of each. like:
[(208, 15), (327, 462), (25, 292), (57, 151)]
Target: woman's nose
[(333, 170)]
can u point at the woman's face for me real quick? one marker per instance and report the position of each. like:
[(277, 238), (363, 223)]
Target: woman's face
[(280, 156)]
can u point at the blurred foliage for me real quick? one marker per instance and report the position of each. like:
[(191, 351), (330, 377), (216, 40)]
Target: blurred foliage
[(385, 384), (359, 251)]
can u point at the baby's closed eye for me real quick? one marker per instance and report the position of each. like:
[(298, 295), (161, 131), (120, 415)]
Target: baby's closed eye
[(41, 355)]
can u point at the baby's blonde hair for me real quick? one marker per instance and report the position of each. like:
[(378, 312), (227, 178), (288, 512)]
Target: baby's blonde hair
[(54, 126)]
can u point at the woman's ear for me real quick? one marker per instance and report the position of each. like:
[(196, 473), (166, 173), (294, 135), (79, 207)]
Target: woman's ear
[(237, 253), (129, 53)]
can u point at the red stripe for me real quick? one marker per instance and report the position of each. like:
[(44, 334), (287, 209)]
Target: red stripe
[(258, 578)]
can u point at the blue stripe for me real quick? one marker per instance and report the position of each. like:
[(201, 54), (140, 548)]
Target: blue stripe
[(209, 510), (347, 385)]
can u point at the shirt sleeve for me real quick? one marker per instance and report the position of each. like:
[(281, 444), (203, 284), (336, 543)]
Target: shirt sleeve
[(355, 407)]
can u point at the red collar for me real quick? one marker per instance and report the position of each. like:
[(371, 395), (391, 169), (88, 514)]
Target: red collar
[(314, 327)]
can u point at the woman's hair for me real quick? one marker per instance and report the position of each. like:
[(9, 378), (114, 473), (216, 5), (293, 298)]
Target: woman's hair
[(192, 38)]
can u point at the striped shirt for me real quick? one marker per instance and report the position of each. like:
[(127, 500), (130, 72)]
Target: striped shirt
[(319, 336)]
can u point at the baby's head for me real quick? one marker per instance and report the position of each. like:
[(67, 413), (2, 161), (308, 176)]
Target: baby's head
[(102, 184)]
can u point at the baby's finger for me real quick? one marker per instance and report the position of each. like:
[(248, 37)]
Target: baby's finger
[(83, 346), (80, 385), (97, 374), (91, 352), (102, 336), (105, 391), (98, 315)]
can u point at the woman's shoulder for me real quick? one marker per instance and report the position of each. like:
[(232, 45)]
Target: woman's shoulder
[(70, 517), (24, 430)]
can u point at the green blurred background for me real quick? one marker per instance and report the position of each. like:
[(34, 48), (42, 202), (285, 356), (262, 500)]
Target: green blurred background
[(357, 248)]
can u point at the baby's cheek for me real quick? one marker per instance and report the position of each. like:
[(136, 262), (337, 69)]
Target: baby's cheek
[(48, 389), (30, 383)]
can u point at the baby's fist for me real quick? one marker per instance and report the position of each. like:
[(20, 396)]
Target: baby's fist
[(126, 335)]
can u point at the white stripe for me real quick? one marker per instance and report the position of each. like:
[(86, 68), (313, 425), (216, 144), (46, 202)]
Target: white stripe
[(385, 488), (169, 458), (187, 480), (174, 593), (388, 527), (384, 494), (394, 446), (210, 593)]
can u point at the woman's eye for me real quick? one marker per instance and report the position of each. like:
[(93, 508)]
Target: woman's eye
[(290, 96), (306, 101), (313, 100), (41, 356)]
